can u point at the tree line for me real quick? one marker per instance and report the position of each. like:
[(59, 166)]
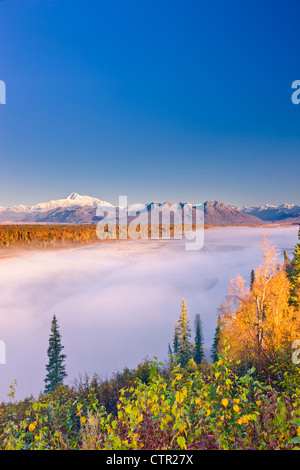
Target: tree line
[(43, 236)]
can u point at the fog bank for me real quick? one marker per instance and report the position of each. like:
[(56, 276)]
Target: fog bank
[(117, 303)]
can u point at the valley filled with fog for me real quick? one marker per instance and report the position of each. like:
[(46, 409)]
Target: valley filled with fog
[(116, 303)]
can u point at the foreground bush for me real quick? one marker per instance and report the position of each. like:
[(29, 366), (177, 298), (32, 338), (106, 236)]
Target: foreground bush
[(211, 408)]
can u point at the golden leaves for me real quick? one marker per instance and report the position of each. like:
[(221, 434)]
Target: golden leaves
[(236, 408), (224, 402), (32, 426)]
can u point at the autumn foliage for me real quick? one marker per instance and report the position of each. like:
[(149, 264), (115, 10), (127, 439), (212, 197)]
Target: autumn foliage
[(46, 236), (259, 323)]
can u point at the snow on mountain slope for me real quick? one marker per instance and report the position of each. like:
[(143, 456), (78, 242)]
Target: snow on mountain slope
[(270, 212), (266, 207), (72, 200), (86, 209)]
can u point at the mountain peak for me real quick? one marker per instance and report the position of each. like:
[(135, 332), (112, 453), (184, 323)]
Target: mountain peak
[(73, 196)]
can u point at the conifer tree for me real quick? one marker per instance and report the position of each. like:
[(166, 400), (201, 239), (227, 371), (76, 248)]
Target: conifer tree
[(287, 264), (56, 369), (175, 341), (214, 348), (286, 258), (170, 353), (198, 353), (184, 334), (252, 278), (294, 276)]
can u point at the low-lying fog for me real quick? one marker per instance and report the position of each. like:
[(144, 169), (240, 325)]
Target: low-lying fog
[(117, 303)]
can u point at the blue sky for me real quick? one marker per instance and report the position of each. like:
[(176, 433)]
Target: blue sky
[(158, 100)]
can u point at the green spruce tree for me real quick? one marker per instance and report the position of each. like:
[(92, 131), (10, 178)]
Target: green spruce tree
[(175, 341), (293, 273), (170, 353), (185, 346), (252, 279), (198, 353), (56, 369), (214, 348)]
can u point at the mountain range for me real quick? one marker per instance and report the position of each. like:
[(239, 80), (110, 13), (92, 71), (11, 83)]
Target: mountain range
[(77, 209), (285, 213)]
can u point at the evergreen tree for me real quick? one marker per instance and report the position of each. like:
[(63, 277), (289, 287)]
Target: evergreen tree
[(185, 346), (170, 352), (252, 278), (198, 353), (214, 348), (175, 341), (56, 369), (294, 276), (287, 264)]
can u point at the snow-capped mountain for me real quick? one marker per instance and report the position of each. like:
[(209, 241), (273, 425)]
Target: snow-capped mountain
[(217, 212), (73, 199), (77, 209), (42, 211), (272, 213)]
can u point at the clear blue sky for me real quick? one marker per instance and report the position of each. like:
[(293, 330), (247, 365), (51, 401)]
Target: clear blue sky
[(159, 100)]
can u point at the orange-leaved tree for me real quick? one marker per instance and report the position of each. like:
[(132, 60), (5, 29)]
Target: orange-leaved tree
[(258, 323)]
